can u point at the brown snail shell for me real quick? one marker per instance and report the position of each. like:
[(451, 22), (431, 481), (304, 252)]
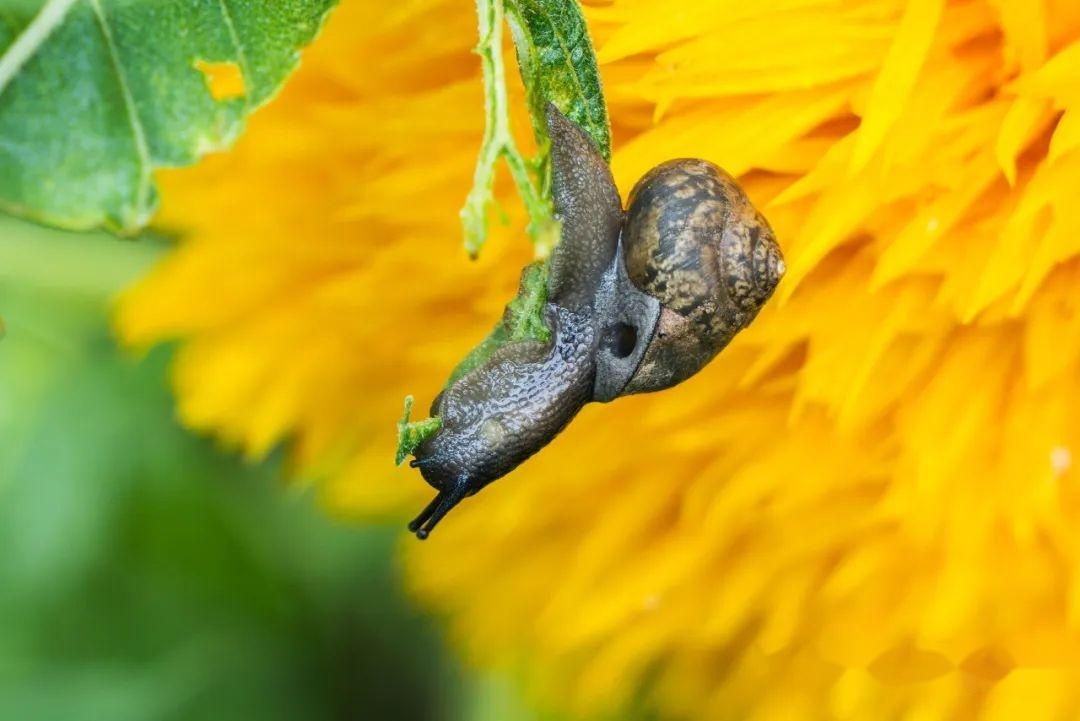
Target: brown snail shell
[(693, 241)]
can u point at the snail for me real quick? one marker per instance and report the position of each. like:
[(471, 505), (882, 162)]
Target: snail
[(637, 302)]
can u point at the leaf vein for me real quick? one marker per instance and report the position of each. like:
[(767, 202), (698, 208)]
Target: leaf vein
[(567, 58), (28, 42), (138, 132)]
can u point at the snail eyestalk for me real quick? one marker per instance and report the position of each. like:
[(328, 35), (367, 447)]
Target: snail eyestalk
[(498, 143), (435, 511)]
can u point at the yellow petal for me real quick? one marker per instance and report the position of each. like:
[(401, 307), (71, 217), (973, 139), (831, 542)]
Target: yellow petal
[(1025, 119), (902, 65)]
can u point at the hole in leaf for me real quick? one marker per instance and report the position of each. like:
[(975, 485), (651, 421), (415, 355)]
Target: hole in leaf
[(620, 339), (225, 80)]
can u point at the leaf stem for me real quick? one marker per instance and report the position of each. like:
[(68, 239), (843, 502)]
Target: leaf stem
[(498, 143)]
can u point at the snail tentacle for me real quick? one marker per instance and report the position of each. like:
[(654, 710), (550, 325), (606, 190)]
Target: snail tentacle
[(442, 504), (414, 524)]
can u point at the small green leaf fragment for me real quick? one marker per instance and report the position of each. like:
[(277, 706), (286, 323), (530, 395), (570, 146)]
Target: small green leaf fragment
[(525, 313), (558, 65), (494, 340), (522, 321), (498, 144), (413, 433)]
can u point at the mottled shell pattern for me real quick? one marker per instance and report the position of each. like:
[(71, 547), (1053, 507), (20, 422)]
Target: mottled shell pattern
[(693, 241)]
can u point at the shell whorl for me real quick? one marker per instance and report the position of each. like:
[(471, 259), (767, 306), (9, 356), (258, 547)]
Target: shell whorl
[(693, 241)]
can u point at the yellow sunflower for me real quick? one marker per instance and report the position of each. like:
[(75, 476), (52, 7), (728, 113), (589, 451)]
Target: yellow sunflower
[(865, 508)]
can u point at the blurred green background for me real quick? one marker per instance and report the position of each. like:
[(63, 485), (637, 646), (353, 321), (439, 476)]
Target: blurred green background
[(145, 574)]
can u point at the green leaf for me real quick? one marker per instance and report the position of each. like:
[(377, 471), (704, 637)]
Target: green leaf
[(558, 65), (499, 144), (524, 314), (411, 435), (97, 94)]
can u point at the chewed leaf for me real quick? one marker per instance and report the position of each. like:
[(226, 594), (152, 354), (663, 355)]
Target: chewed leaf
[(558, 65), (412, 434), (97, 94), (225, 80)]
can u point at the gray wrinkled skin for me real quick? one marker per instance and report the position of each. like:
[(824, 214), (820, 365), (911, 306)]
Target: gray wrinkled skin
[(636, 303)]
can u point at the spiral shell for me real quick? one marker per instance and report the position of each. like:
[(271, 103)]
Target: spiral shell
[(693, 241)]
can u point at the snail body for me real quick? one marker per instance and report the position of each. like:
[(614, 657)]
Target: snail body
[(637, 301), (505, 410)]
